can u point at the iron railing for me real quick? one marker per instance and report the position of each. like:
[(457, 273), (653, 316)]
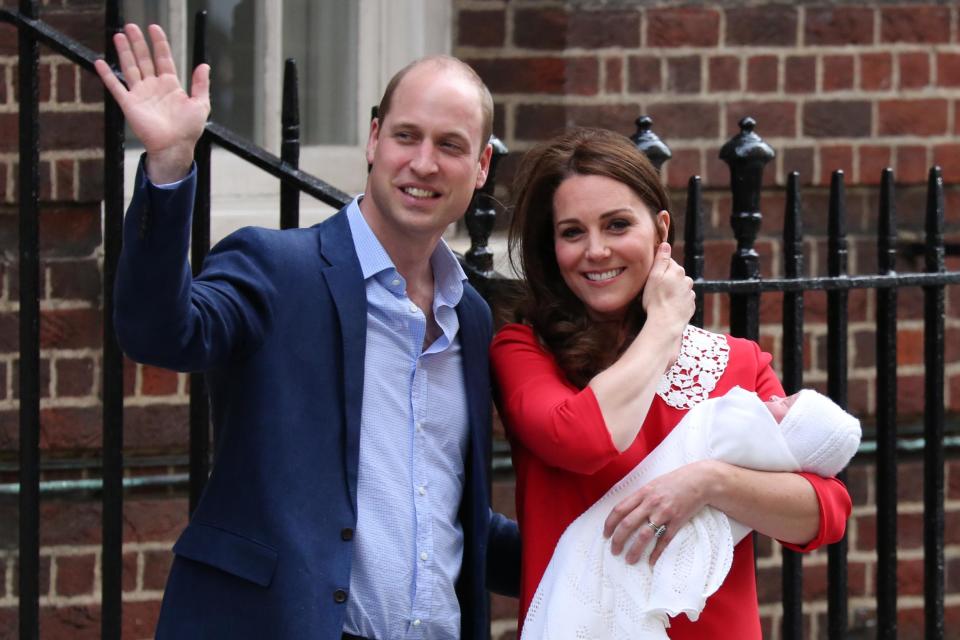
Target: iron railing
[(746, 154)]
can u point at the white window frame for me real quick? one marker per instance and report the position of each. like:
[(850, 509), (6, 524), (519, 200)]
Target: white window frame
[(392, 33)]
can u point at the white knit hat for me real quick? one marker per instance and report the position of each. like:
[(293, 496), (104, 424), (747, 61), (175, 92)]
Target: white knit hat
[(821, 451)]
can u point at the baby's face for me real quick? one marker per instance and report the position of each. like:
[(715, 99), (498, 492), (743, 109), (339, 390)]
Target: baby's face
[(779, 406)]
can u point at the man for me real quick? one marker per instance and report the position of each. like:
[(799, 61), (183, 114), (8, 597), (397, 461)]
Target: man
[(348, 376)]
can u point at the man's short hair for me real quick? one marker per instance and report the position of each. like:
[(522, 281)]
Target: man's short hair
[(486, 100)]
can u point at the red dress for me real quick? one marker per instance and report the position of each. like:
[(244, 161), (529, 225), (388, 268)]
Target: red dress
[(565, 461)]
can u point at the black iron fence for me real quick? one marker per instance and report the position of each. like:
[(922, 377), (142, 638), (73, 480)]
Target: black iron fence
[(746, 155)]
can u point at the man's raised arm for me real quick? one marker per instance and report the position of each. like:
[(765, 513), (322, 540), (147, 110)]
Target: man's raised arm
[(161, 114)]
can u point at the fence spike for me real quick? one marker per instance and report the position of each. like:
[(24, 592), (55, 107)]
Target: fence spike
[(650, 143)]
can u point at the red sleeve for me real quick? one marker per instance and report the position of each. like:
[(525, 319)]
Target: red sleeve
[(542, 411), (835, 506)]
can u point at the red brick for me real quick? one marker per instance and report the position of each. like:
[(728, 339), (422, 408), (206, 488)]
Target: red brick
[(46, 181), (815, 581), (682, 27), (953, 480), (157, 382), (76, 622), (91, 90), (617, 117), (914, 70), (762, 73), (153, 519), (91, 179), (910, 395), (919, 23), (683, 164), (718, 172), (909, 577), (926, 117), (64, 180), (8, 40), (911, 165), (45, 82), (837, 119), (539, 121), (70, 329), (69, 231), (948, 69), (644, 74), (800, 74), (685, 120), (9, 131), (956, 117), (541, 28), (140, 618), (947, 156), (549, 75), (157, 427), (66, 83), (75, 280), (873, 160), (799, 159), (84, 26), (156, 568), (838, 26), (601, 28), (613, 69), (504, 608), (815, 302), (481, 28), (856, 481), (775, 119), (724, 73), (909, 347), (876, 71), (683, 74), (74, 377), (767, 25), (129, 376), (72, 131), (837, 73), (75, 575), (128, 575)]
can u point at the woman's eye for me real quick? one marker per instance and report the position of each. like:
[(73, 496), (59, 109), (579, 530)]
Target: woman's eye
[(619, 225), (569, 232)]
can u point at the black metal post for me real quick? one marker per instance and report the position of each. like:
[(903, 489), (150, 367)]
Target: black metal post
[(650, 143), (837, 389), (792, 565), (482, 215), (111, 560), (199, 246), (693, 242), (290, 146), (933, 415), (29, 228), (886, 459), (746, 154)]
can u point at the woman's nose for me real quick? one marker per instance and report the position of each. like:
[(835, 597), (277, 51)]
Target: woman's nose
[(597, 249)]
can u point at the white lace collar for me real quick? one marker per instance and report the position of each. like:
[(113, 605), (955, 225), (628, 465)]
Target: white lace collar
[(702, 360)]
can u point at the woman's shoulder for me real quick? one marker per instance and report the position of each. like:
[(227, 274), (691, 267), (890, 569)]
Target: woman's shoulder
[(512, 333)]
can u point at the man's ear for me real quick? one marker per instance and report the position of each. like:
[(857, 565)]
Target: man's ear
[(485, 156), (663, 225), (372, 139)]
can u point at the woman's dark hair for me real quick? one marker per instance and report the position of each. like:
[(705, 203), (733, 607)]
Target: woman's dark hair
[(583, 347)]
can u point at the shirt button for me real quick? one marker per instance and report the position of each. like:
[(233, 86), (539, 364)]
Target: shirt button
[(346, 534), (420, 427), (414, 308), (395, 282), (422, 490), (339, 596), (424, 556), (416, 622)]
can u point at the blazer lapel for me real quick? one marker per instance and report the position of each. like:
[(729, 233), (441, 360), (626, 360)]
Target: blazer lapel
[(345, 281)]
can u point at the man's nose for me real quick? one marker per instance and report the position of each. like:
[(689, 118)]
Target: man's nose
[(424, 161)]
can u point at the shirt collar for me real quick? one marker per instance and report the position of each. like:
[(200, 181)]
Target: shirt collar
[(447, 273)]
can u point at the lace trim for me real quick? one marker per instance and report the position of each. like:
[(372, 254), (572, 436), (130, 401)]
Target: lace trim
[(702, 360)]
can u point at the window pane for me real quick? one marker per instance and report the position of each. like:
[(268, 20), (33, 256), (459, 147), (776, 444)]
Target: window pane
[(231, 54), (321, 35)]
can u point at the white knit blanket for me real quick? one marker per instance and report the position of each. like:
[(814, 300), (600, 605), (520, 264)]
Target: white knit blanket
[(587, 593)]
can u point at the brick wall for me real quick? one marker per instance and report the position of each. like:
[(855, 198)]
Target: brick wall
[(71, 166), (851, 86)]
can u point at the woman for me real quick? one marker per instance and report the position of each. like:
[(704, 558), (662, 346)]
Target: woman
[(601, 365)]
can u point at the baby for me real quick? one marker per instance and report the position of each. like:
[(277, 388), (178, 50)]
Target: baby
[(587, 592)]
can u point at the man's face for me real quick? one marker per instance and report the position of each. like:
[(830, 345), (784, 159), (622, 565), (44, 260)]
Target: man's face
[(426, 155)]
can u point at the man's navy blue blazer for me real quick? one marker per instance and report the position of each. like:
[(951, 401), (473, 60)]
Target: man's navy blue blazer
[(277, 320)]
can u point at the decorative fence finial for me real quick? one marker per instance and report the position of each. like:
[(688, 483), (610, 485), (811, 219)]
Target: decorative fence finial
[(650, 143), (483, 214)]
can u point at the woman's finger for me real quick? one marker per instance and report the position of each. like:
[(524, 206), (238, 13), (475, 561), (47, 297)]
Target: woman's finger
[(622, 510)]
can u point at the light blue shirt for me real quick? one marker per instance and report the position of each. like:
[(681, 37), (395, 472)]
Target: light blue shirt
[(408, 544)]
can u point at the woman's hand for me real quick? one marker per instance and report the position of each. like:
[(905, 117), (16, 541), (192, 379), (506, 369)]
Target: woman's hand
[(668, 293), (671, 500)]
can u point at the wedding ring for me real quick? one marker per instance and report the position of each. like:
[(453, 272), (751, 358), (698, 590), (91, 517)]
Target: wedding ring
[(658, 530)]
